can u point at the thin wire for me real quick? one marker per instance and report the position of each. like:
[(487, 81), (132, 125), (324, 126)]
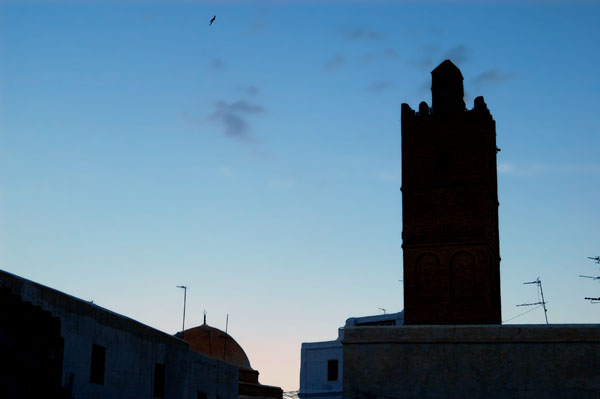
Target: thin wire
[(530, 310)]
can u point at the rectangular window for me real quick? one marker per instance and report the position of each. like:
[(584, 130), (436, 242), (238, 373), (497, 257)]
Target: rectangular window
[(98, 363), (159, 380), (332, 370)]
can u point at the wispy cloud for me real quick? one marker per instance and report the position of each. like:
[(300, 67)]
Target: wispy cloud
[(390, 53), (430, 55), (427, 54), (387, 54), (423, 32), (458, 55), (217, 64), (492, 76), (423, 89), (380, 86), (535, 169), (336, 62), (250, 90), (232, 117), (421, 63), (362, 34)]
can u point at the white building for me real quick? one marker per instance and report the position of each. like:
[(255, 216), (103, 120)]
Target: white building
[(322, 363), (55, 345)]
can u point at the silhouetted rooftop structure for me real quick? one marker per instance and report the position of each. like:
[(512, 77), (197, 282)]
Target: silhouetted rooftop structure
[(450, 208), (218, 344), (447, 89)]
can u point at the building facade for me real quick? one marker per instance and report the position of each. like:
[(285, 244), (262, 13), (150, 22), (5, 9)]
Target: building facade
[(56, 345), (484, 361), (322, 363)]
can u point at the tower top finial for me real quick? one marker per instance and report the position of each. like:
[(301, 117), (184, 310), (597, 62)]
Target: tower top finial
[(447, 89), (205, 317)]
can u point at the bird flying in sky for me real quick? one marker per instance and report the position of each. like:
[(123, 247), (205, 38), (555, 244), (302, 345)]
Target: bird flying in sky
[(212, 20)]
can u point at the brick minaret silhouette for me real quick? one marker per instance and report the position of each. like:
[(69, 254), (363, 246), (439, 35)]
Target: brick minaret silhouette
[(450, 208)]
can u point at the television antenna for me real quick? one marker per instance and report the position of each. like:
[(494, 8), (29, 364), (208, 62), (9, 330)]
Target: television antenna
[(541, 302), (184, 299), (597, 260)]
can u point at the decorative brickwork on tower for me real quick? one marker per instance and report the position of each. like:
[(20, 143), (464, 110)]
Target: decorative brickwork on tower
[(450, 208)]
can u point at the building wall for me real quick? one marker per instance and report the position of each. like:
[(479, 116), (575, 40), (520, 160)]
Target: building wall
[(517, 361), (313, 370), (131, 351), (30, 345), (315, 357)]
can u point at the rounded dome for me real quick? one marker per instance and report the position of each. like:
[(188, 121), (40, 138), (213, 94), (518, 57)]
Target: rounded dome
[(216, 343)]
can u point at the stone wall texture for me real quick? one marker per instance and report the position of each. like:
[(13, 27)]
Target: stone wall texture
[(512, 361)]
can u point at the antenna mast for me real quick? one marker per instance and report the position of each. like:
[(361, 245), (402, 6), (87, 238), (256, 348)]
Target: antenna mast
[(597, 260), (184, 300), (540, 292)]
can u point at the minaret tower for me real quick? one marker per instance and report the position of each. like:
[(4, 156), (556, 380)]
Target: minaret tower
[(450, 208)]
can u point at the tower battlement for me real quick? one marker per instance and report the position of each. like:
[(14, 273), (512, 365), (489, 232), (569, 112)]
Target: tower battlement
[(425, 111)]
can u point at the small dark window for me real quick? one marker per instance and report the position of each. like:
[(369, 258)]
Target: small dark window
[(201, 395), (159, 380), (332, 370), (97, 368)]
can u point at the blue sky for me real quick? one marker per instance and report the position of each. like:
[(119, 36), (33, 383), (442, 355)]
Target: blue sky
[(258, 160)]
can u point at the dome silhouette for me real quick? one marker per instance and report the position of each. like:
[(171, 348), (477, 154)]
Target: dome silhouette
[(216, 343)]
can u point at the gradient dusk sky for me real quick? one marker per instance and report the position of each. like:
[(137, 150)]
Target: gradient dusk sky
[(257, 160)]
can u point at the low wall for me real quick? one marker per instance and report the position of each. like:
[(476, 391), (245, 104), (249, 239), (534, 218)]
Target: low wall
[(512, 361)]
